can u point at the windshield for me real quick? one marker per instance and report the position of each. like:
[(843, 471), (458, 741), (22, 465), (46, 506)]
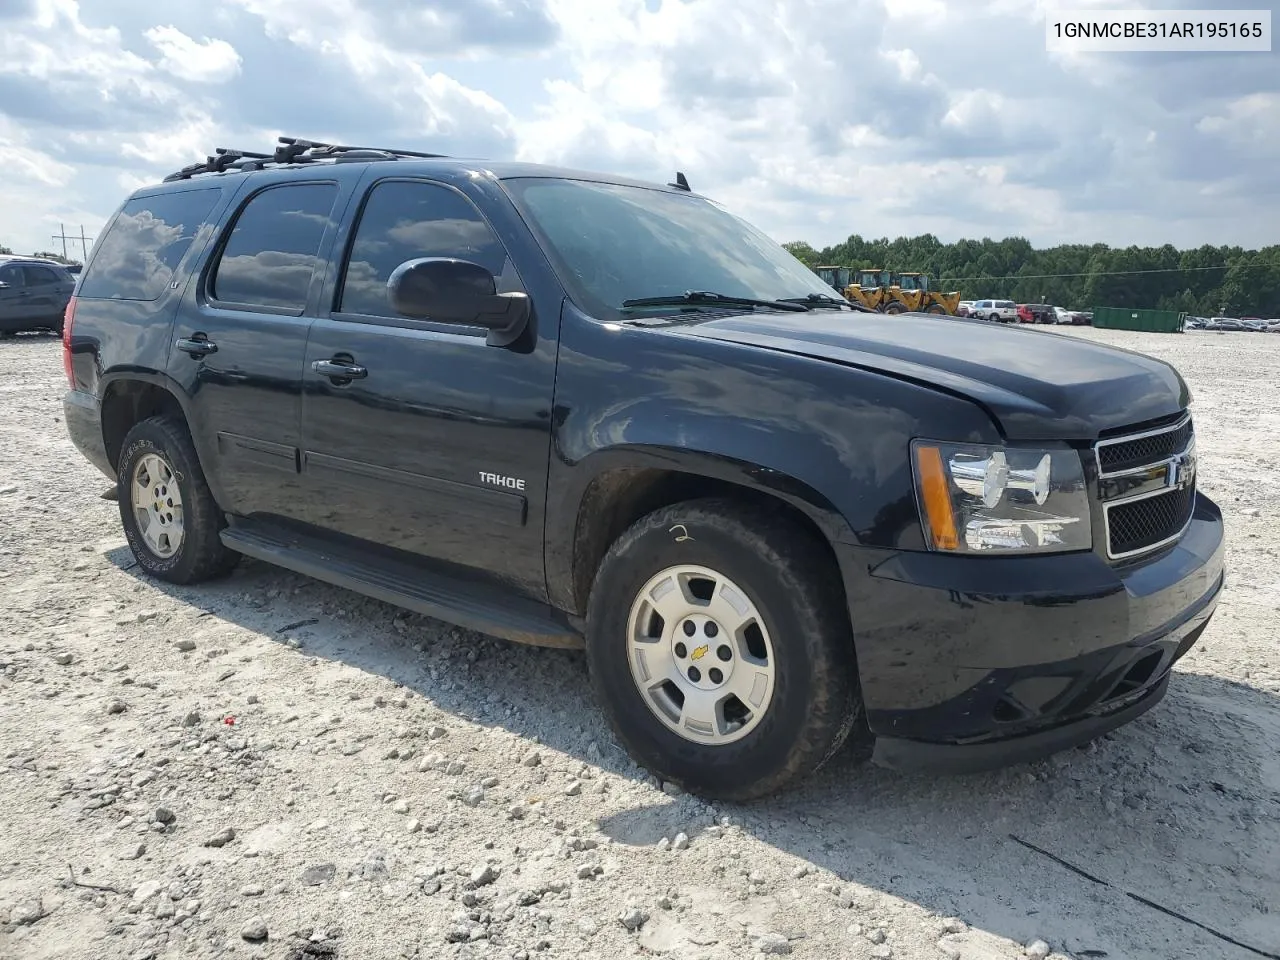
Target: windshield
[(611, 243)]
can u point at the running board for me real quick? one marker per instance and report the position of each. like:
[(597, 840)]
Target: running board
[(465, 603)]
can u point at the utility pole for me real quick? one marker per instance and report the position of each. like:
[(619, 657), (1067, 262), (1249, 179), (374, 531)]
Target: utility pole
[(84, 242), (62, 235), (84, 245)]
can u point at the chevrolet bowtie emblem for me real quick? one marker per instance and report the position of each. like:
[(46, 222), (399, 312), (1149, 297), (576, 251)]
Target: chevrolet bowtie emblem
[(700, 652)]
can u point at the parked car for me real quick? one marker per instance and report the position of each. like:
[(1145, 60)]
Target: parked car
[(1225, 323), (1254, 324), (1001, 311), (1061, 315), (583, 411), (1273, 326), (963, 308), (1035, 313), (33, 294)]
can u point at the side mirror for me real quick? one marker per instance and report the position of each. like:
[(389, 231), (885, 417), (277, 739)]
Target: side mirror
[(4, 284), (445, 290)]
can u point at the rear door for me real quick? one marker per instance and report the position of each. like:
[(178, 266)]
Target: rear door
[(240, 336), (439, 447)]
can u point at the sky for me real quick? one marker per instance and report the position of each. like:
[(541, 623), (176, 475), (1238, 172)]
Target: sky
[(813, 119)]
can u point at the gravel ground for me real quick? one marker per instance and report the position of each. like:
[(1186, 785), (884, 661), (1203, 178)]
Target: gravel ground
[(269, 767)]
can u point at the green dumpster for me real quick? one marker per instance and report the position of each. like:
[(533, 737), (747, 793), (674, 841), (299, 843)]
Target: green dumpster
[(1150, 321)]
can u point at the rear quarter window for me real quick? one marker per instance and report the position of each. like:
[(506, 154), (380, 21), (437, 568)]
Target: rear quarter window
[(140, 254)]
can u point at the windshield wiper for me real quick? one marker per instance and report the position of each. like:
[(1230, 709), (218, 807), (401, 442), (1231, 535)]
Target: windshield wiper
[(823, 300), (707, 298)]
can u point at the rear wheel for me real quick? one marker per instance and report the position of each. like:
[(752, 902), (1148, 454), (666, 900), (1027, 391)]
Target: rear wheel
[(936, 308), (720, 649), (895, 307), (169, 515)]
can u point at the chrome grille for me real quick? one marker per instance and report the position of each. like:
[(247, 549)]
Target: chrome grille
[(1136, 524), (1146, 480), (1143, 450)]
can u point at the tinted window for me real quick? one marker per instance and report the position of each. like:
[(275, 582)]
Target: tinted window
[(37, 275), (403, 221), (137, 258), (274, 247), (12, 275), (612, 243)]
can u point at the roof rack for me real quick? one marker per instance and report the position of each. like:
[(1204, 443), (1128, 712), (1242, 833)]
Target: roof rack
[(291, 150)]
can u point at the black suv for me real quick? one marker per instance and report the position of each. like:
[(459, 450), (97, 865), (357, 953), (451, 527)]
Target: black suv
[(572, 410), (33, 294)]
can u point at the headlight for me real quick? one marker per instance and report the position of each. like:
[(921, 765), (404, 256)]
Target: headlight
[(983, 499)]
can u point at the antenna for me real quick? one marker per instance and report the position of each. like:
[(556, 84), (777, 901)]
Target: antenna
[(681, 182)]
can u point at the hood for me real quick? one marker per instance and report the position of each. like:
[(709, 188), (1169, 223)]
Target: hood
[(1035, 384)]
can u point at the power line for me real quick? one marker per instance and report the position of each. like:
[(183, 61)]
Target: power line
[(1100, 273)]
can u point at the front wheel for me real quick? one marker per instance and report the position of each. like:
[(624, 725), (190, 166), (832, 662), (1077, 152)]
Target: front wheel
[(720, 649)]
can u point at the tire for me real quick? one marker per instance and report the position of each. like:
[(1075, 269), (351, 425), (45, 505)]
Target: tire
[(895, 308), (198, 553), (936, 308), (812, 702)]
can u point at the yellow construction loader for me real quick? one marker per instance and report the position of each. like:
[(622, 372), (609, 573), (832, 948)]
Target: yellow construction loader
[(867, 287), (911, 294), (886, 292)]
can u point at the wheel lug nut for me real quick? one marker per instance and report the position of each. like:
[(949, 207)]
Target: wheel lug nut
[(715, 675), (695, 674), (711, 629), (689, 628), (724, 653), (681, 651)]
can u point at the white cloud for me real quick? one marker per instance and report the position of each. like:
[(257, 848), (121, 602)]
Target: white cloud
[(200, 61), (814, 118)]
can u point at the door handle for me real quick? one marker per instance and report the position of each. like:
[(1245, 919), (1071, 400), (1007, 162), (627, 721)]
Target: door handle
[(339, 369), (197, 346)]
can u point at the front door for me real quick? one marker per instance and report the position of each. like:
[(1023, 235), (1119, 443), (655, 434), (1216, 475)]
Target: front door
[(416, 435), (13, 295), (239, 341), (48, 293)]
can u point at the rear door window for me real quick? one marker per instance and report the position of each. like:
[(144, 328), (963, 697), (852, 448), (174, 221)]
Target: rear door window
[(273, 250), (38, 276), (139, 255)]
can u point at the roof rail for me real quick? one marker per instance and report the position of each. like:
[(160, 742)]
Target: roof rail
[(291, 150)]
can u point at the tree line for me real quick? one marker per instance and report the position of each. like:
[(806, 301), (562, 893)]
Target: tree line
[(1204, 281)]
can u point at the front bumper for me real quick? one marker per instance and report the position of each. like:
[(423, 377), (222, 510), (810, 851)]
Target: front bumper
[(83, 415), (969, 663)]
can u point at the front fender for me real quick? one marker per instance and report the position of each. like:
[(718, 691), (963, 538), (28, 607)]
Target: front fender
[(829, 439)]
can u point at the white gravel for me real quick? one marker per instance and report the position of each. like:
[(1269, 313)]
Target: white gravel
[(269, 767)]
